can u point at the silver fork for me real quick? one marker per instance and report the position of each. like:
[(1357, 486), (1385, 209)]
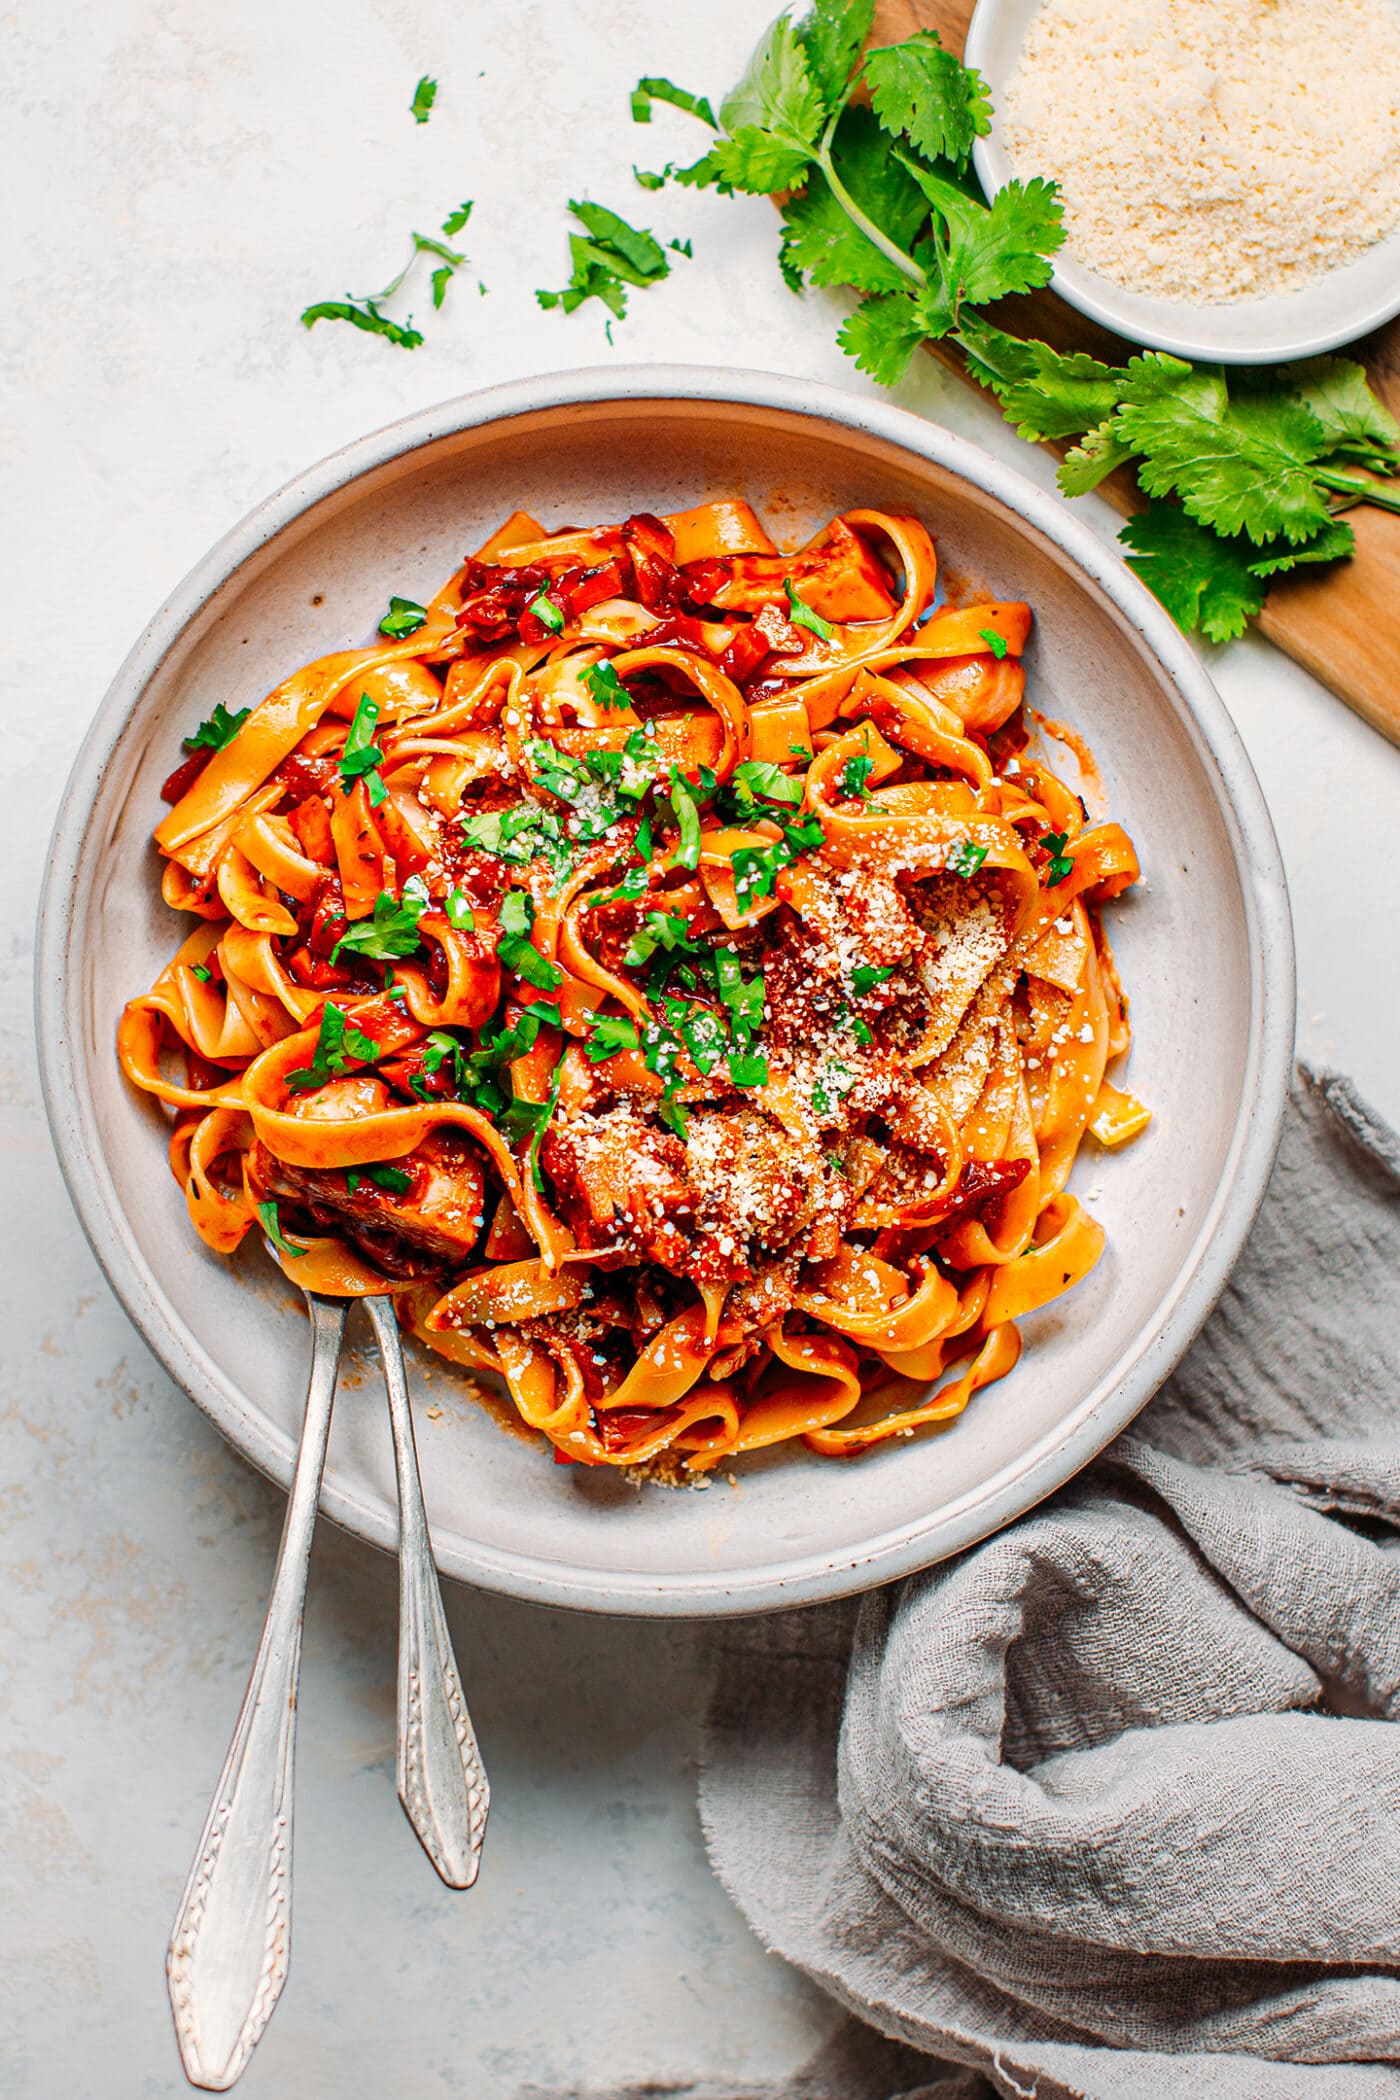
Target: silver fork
[(229, 1951)]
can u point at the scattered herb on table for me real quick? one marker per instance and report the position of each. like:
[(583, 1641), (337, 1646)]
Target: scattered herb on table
[(367, 313), (868, 153), (608, 256), (424, 96)]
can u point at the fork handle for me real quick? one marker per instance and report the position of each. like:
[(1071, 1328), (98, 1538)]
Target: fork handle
[(228, 1955), (441, 1779)]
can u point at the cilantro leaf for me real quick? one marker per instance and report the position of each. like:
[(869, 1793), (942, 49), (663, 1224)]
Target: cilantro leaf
[(687, 853), (1335, 543), (919, 89), (1237, 465), (831, 37), (653, 88), (336, 1043), (403, 618), (440, 1048), (769, 781), (220, 729), (546, 611), (1044, 392), (608, 1034), (820, 237), (989, 250), (605, 686), (365, 316), (361, 757), (965, 858), (752, 160), (995, 642), (802, 615), (1354, 423), (858, 770), (458, 912), (393, 928), (865, 976), (394, 1179), (1203, 581), (272, 1226), (748, 1068), (424, 96), (1091, 461), (665, 930), (882, 335), (516, 951), (607, 257), (777, 93)]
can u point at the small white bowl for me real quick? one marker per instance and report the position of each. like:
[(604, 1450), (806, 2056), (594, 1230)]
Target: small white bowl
[(1333, 309), (1204, 947)]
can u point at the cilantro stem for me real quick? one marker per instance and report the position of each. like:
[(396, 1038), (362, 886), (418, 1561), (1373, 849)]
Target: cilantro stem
[(1358, 488), (905, 264)]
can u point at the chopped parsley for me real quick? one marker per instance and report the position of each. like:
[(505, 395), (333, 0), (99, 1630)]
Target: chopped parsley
[(272, 1226), (517, 952), (995, 642), (748, 1068), (1061, 865), (854, 775), (442, 1048), (458, 912), (605, 686), (403, 619), (756, 868), (362, 757), (547, 612), (519, 835), (802, 615), (220, 729), (832, 1086), (965, 858), (394, 1179), (767, 781), (336, 1044), (393, 928), (424, 96), (202, 971)]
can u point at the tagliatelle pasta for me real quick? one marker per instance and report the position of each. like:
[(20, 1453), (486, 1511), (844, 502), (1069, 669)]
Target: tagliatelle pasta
[(666, 965)]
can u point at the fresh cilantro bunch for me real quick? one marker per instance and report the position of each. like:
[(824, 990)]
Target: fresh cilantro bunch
[(867, 153)]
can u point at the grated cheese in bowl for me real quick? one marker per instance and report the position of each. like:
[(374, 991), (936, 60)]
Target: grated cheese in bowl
[(1213, 150)]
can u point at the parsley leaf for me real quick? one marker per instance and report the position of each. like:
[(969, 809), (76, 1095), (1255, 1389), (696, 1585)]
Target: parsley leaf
[(393, 928), (220, 729), (687, 853), (336, 1043), (665, 930), (458, 912), (854, 775), (394, 1179), (920, 89), (424, 96), (748, 1068), (653, 88), (995, 642), (802, 615), (403, 618), (440, 1048), (1061, 866)]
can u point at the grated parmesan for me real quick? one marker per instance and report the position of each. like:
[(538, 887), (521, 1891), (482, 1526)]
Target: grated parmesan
[(1213, 150)]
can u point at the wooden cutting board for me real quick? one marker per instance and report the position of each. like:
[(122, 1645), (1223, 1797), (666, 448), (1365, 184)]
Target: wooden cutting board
[(1342, 623)]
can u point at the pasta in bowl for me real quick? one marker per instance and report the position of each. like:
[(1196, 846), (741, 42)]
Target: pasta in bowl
[(671, 966)]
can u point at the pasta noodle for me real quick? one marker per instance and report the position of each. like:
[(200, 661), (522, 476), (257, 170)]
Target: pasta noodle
[(669, 968)]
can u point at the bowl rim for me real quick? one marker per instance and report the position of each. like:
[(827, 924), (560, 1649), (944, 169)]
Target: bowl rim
[(804, 1577), (1129, 314)]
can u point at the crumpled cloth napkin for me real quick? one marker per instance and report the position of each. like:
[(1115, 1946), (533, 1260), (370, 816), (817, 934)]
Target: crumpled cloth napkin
[(1110, 1806)]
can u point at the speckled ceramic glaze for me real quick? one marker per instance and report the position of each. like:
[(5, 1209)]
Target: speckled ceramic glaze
[(1204, 944), (1336, 308)]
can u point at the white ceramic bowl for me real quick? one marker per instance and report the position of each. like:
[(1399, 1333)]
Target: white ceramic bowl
[(1205, 949), (1337, 308)]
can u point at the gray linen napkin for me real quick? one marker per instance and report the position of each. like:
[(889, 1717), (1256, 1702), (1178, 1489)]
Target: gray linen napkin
[(1116, 1807)]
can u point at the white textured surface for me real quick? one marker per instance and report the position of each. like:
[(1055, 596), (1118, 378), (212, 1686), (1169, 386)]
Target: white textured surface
[(185, 178)]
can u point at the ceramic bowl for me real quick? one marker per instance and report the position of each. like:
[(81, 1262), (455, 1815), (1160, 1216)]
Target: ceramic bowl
[(1204, 945), (1337, 308)]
